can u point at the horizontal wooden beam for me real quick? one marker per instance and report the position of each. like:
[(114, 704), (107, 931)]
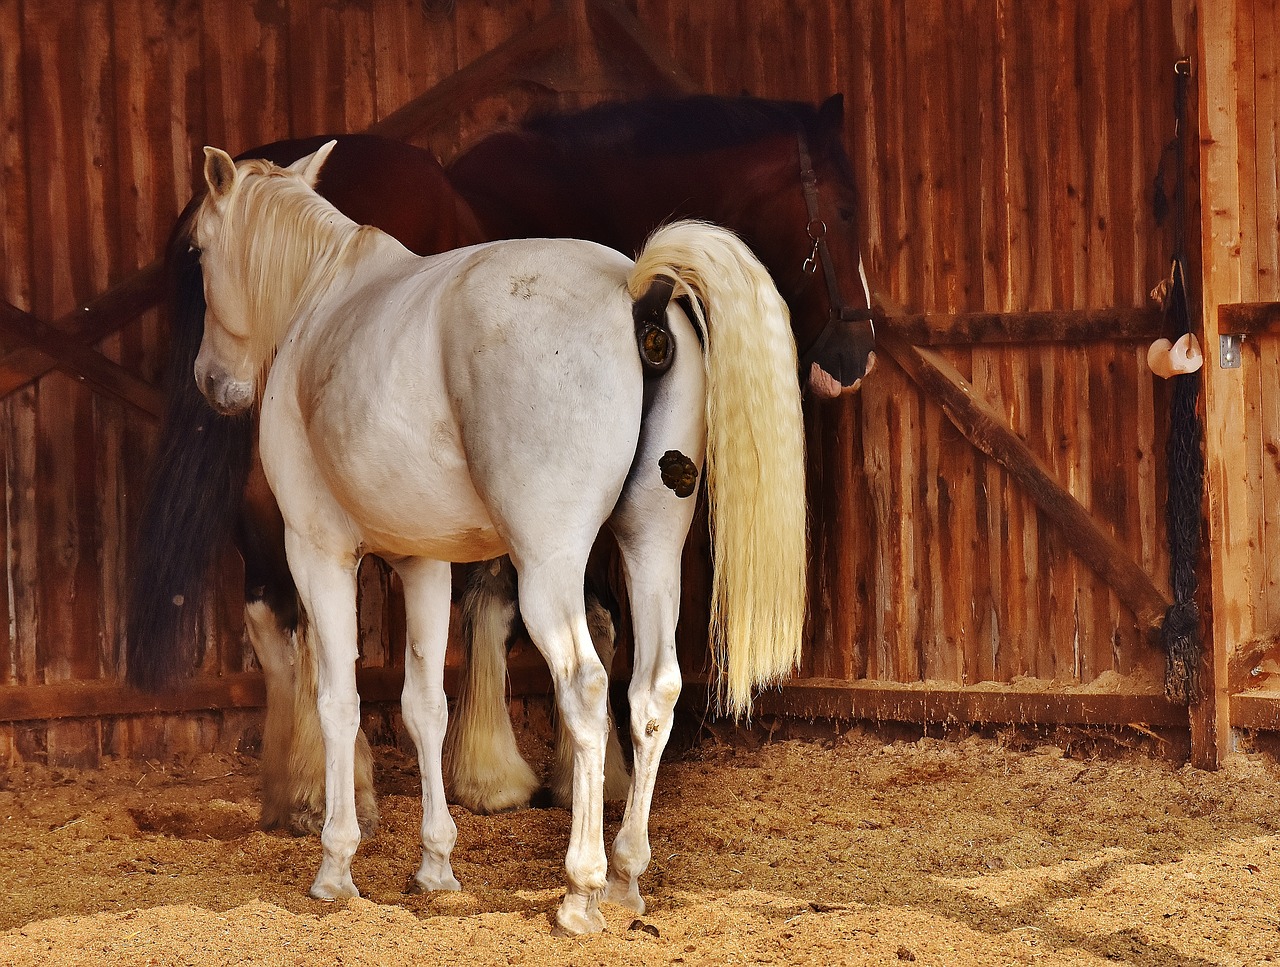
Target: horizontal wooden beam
[(105, 699), (987, 430), (1138, 325), (1256, 711), (872, 701), (1249, 319), (807, 699)]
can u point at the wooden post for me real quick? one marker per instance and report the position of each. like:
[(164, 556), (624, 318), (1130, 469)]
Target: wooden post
[(1223, 195)]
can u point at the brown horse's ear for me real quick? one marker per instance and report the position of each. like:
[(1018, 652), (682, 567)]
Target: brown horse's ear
[(219, 172), (831, 113)]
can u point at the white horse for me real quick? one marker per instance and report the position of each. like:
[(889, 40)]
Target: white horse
[(432, 410)]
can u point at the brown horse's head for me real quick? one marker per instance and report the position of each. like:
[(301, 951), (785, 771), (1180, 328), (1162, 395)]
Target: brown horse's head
[(774, 172)]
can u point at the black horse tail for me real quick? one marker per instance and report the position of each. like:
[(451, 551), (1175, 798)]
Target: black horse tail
[(192, 505)]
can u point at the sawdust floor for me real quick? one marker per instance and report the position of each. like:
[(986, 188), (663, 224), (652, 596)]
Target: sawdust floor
[(857, 850)]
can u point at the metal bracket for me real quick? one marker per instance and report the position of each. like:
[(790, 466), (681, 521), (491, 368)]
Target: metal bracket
[(1229, 351)]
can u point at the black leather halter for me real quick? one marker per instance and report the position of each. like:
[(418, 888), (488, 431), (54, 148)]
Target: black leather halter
[(841, 313)]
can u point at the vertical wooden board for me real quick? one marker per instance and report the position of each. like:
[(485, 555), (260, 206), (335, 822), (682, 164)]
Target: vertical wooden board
[(1097, 105), (316, 72), (372, 605), (1021, 603), (1110, 414), (414, 50), (15, 253), (901, 270), (1227, 484), (48, 29), (904, 429), (1247, 161), (878, 470), (853, 579), (1128, 102), (942, 632), (357, 75), (247, 75), (8, 630), (22, 571), (819, 626), (665, 21), (108, 421), (1263, 355), (15, 279), (1030, 97), (916, 107), (1266, 39), (1267, 208), (1014, 243), (999, 611), (862, 135)]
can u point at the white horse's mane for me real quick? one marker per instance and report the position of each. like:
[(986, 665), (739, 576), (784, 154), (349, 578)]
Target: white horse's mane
[(282, 245)]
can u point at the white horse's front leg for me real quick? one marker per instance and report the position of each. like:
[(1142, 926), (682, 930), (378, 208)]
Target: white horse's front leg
[(426, 710), (327, 588), (552, 605)]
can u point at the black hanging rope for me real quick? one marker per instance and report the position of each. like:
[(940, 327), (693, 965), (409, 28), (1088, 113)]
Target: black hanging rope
[(1180, 632)]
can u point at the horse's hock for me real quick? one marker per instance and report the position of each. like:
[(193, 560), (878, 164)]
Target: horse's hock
[(988, 514)]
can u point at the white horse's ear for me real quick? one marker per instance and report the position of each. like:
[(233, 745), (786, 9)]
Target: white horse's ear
[(310, 166), (219, 172)]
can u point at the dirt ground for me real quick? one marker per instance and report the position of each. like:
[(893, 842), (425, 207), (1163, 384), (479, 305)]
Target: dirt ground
[(850, 849)]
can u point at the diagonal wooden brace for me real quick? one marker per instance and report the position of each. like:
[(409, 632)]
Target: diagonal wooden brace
[(987, 430), (67, 345)]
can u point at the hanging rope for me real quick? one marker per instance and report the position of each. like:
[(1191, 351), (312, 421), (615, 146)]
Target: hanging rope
[(1180, 633)]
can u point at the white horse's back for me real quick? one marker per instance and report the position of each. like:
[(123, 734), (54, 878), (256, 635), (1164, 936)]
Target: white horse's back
[(414, 428)]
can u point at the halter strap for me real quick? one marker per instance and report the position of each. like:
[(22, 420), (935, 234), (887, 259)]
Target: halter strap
[(817, 229)]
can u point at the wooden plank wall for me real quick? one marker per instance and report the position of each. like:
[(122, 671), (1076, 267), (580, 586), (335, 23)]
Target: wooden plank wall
[(1243, 266), (1006, 151)]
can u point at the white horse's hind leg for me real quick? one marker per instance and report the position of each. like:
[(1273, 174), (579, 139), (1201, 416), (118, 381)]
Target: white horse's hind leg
[(486, 772), (426, 710), (617, 780), (552, 605), (650, 524), (655, 686)]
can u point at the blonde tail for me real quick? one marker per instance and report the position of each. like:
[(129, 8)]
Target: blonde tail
[(755, 453)]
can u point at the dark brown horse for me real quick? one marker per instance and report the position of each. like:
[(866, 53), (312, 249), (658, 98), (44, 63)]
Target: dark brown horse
[(774, 172)]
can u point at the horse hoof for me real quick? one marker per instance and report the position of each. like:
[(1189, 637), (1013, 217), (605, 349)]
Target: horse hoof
[(413, 887), (306, 822), (338, 890), (418, 883), (626, 894), (578, 915)]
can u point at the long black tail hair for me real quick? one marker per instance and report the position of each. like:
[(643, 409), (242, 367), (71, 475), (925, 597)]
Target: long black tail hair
[(194, 497)]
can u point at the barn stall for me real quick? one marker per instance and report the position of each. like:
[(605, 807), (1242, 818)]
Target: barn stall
[(988, 514), (988, 531)]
